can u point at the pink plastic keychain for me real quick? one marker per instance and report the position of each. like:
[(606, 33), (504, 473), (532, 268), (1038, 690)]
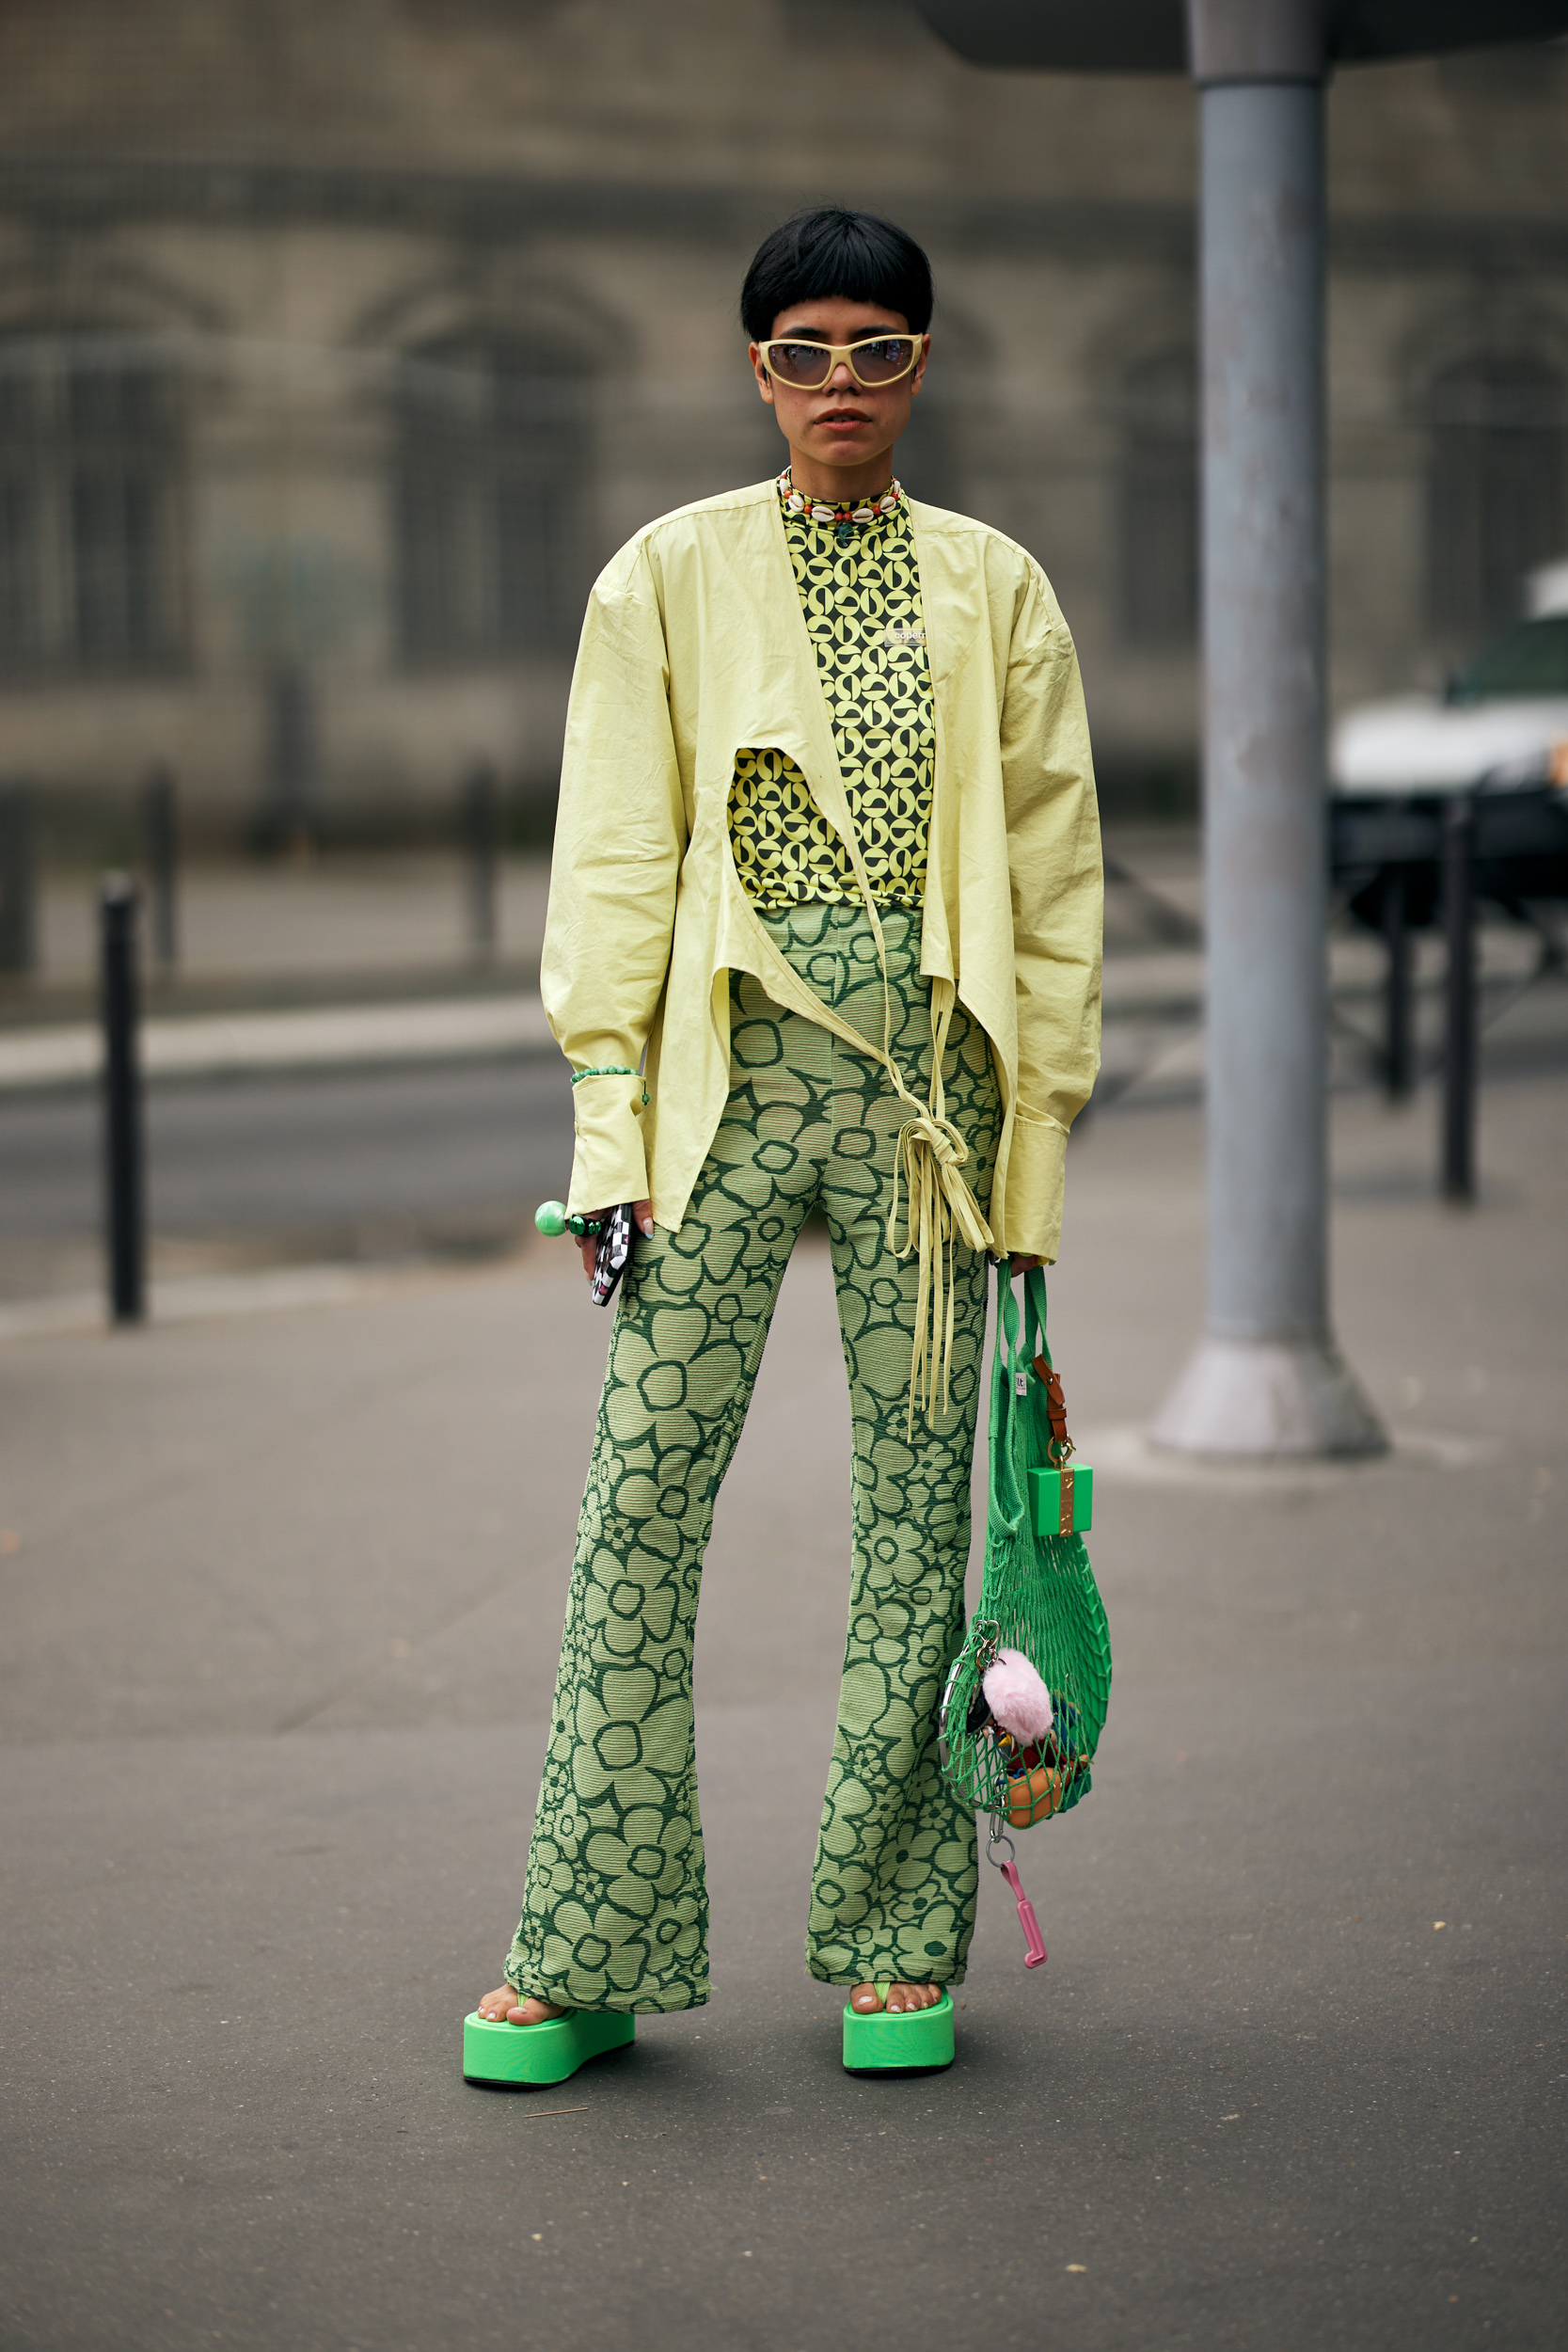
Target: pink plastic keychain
[(1034, 1956)]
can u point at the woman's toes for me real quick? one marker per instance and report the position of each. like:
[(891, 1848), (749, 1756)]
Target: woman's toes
[(505, 2006), (900, 1998), (904, 1997)]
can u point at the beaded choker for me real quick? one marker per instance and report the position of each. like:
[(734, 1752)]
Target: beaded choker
[(852, 511)]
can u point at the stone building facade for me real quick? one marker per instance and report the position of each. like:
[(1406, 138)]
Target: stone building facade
[(341, 341)]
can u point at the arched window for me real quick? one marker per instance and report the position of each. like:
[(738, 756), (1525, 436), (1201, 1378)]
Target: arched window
[(89, 474), (493, 455), (1159, 503), (1496, 489)]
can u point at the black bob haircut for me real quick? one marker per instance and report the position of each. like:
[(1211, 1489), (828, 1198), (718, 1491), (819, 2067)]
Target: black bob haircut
[(858, 256)]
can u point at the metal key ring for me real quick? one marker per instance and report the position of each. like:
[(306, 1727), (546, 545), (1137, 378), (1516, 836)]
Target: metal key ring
[(998, 1837)]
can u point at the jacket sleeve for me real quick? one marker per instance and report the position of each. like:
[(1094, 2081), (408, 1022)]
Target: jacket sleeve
[(1058, 906), (620, 836)]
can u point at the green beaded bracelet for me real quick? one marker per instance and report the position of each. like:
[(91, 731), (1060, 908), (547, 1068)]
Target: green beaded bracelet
[(614, 1071)]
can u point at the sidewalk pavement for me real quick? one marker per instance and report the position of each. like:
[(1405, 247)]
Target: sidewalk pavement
[(282, 1598), (341, 915)]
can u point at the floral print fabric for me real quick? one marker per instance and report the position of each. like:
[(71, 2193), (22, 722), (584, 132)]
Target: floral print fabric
[(615, 1906)]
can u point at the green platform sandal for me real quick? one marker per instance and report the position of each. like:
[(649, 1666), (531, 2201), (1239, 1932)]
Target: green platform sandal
[(494, 2052), (910, 2042)]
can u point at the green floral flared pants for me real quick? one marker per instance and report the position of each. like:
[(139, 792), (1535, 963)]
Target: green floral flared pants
[(615, 1901)]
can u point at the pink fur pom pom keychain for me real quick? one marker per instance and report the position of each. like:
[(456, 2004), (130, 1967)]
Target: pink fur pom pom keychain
[(1017, 1697), (1021, 1708)]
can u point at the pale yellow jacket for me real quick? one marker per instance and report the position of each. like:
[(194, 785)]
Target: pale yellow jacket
[(694, 648)]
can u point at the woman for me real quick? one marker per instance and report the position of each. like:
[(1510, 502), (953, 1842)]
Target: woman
[(824, 934)]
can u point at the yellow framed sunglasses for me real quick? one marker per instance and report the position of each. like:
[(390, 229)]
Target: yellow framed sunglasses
[(874, 362)]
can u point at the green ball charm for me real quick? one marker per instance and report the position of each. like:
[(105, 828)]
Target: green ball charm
[(550, 1218)]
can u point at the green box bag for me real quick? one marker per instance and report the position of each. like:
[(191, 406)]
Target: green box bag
[(1037, 1592), (1062, 1500)]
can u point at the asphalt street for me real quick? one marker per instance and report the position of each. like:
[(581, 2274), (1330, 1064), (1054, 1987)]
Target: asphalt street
[(342, 1163), (282, 1595), (440, 1158)]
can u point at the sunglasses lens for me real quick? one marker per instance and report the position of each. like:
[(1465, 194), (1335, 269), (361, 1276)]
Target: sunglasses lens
[(885, 360), (804, 365)]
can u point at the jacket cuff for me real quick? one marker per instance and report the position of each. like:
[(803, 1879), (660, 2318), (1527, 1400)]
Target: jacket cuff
[(608, 1163), (1037, 1175)]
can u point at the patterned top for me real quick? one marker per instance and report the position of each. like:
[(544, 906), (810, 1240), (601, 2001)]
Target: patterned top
[(859, 585)]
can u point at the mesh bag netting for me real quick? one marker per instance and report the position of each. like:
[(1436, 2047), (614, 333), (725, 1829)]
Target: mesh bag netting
[(1038, 1595)]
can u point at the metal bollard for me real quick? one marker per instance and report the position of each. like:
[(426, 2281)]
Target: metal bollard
[(482, 836), (1398, 1053), (1459, 1009), (18, 879), (124, 1194), (160, 816)]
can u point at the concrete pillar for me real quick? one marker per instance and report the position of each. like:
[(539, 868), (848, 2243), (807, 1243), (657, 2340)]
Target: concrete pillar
[(1265, 1380)]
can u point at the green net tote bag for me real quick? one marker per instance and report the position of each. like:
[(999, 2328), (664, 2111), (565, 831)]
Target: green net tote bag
[(1029, 1756)]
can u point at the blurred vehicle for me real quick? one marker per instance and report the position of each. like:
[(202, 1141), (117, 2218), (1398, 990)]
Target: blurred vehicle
[(1500, 724), (1498, 732)]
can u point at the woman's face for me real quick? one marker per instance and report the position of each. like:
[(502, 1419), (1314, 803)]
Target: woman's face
[(843, 423)]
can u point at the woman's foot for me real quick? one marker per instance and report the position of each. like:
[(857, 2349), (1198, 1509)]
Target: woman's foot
[(867, 2000), (504, 2006)]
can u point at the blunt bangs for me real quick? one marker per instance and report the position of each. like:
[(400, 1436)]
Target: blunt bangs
[(858, 257)]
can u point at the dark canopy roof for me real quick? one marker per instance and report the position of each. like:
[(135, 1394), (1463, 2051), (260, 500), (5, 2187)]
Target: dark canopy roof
[(1150, 35)]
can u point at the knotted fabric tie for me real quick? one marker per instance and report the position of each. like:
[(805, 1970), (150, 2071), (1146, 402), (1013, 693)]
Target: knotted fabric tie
[(940, 1212), (929, 1156)]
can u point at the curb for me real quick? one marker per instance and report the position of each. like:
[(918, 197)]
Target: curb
[(347, 1036)]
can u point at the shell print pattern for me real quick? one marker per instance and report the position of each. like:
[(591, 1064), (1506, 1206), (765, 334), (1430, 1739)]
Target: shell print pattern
[(859, 583)]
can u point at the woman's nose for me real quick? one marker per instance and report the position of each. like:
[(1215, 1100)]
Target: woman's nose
[(841, 379)]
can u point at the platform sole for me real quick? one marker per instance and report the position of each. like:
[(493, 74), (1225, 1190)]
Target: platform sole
[(910, 2042), (494, 2052)]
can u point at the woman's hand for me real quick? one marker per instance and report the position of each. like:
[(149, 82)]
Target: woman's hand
[(1018, 1264), (642, 1217)]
